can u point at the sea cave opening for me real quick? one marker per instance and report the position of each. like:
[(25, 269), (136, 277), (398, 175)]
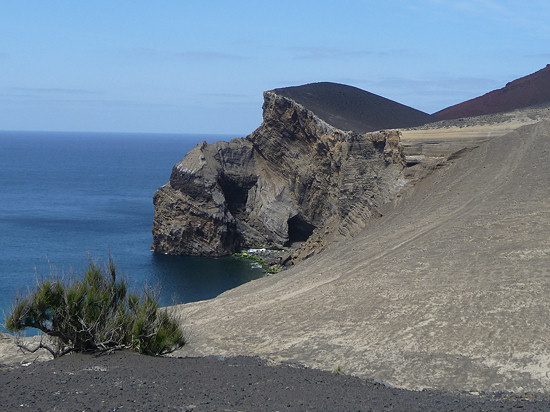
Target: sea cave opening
[(298, 230), (236, 192)]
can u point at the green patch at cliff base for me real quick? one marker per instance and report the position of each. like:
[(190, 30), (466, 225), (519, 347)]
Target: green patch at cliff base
[(257, 256)]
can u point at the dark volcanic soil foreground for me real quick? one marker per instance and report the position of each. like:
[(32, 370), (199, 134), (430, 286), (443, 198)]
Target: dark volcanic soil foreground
[(128, 381)]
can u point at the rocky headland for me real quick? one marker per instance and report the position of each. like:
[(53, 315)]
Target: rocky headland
[(446, 288), (297, 179)]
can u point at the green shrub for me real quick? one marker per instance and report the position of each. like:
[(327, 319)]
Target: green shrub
[(260, 261), (96, 313)]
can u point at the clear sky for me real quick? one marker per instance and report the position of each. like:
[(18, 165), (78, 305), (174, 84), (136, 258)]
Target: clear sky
[(201, 66)]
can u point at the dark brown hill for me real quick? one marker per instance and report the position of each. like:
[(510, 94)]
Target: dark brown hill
[(526, 91), (350, 108)]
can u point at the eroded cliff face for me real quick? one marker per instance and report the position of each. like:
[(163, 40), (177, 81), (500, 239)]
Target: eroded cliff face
[(294, 179)]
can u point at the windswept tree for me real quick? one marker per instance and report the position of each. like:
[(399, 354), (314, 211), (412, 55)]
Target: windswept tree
[(96, 313)]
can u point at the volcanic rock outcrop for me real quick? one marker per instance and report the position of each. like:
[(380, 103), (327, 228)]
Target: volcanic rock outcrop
[(295, 175)]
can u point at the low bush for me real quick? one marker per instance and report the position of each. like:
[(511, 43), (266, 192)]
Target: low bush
[(94, 314), (270, 268)]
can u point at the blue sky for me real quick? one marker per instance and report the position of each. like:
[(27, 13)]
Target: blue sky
[(201, 66)]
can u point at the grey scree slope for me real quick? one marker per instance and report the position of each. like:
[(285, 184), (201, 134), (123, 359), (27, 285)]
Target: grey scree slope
[(450, 289)]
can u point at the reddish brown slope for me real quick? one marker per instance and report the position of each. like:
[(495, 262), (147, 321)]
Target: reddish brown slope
[(523, 92)]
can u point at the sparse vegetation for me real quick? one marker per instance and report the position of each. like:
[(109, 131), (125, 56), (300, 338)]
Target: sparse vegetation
[(96, 313), (260, 261)]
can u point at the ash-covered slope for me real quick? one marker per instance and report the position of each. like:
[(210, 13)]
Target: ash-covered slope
[(530, 90), (448, 289), (349, 108), (294, 177)]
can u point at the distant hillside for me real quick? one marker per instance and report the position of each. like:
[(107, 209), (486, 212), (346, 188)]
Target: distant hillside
[(526, 91), (350, 108)]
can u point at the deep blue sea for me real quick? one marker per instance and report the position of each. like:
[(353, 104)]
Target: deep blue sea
[(68, 197)]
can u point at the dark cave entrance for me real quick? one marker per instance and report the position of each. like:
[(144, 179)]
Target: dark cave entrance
[(380, 146), (298, 230), (235, 192)]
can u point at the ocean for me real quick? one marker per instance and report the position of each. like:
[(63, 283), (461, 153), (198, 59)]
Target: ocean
[(67, 198)]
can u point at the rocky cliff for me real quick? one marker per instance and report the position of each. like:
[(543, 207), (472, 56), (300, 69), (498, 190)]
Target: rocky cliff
[(294, 177)]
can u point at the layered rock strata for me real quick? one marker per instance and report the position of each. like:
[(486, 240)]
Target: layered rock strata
[(296, 175)]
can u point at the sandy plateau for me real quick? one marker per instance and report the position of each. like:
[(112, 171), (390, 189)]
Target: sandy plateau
[(448, 289)]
